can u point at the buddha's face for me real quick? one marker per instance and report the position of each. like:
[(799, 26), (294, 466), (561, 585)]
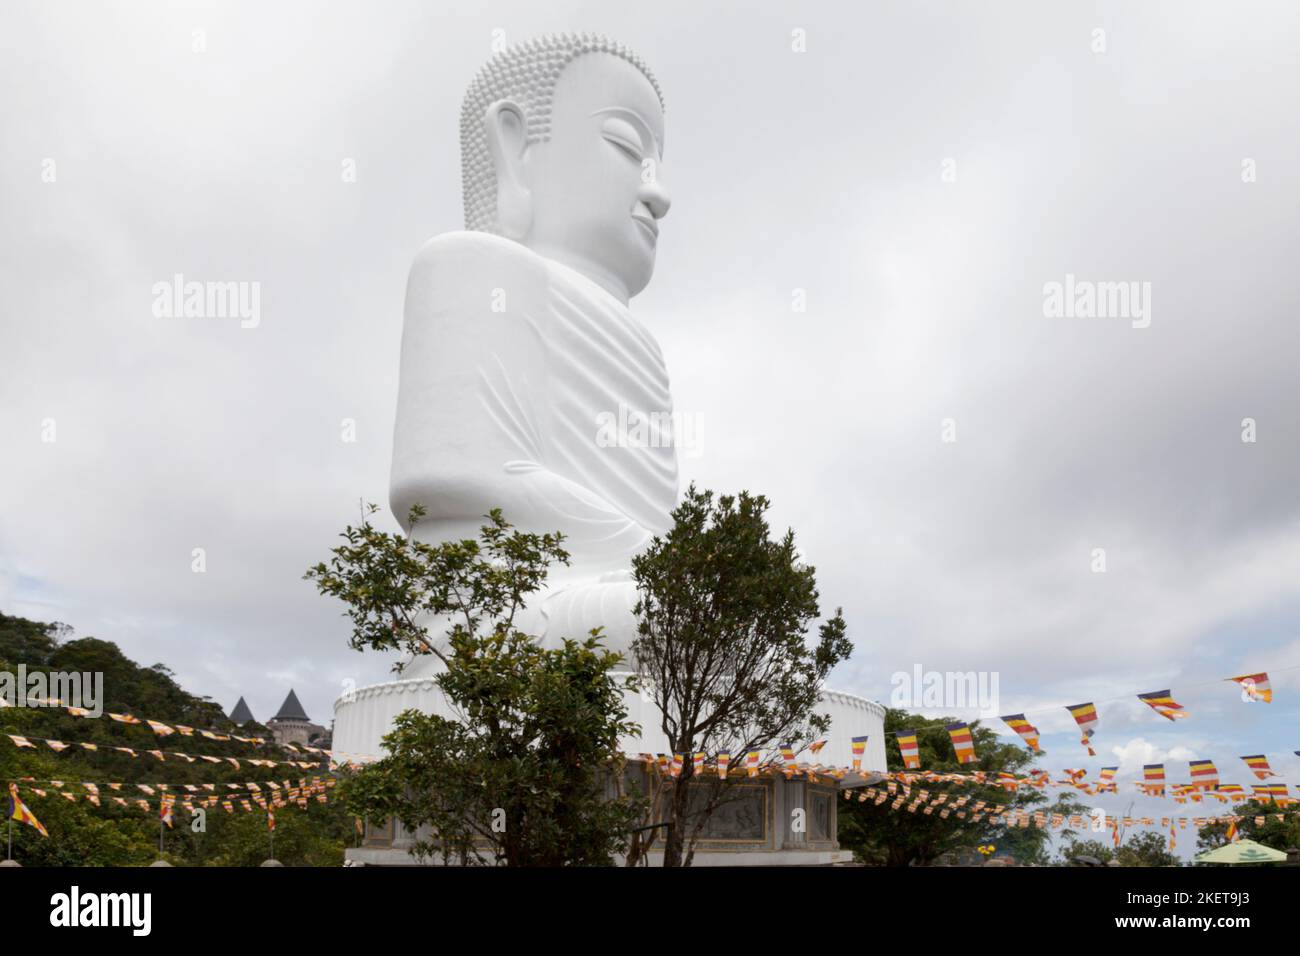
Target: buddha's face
[(597, 187)]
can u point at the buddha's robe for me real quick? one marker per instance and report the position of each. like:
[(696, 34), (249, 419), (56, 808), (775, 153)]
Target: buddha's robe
[(510, 364)]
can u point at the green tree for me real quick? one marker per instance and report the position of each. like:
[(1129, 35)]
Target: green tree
[(529, 774), (1146, 848), (1139, 848), (882, 836), (722, 645)]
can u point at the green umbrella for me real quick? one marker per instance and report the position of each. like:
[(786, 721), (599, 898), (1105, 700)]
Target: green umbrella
[(1243, 851)]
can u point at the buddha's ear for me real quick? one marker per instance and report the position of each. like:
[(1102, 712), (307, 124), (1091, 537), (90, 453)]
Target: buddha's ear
[(507, 139)]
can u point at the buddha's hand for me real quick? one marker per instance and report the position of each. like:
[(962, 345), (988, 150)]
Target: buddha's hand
[(594, 528)]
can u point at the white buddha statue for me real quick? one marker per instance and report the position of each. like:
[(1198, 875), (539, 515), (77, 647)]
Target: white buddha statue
[(518, 341)]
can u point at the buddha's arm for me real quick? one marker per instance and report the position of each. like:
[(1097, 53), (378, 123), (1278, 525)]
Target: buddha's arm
[(467, 437)]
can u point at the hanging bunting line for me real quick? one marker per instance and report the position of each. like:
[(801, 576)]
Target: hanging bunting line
[(1254, 686), (163, 729), (1045, 819), (94, 787), (167, 802), (58, 746), (1152, 784)]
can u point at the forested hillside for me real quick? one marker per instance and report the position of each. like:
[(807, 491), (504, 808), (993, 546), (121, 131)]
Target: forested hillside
[(83, 834)]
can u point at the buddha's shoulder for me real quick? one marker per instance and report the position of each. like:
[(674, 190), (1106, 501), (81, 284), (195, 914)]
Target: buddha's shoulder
[(474, 257)]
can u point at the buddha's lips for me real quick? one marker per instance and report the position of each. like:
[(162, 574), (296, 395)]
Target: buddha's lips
[(650, 225)]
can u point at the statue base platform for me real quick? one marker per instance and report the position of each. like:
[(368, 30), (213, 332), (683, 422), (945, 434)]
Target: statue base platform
[(755, 829)]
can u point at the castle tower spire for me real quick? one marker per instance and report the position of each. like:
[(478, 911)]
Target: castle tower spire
[(241, 714)]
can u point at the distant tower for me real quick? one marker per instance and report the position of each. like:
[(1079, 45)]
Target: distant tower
[(291, 725), (241, 714)]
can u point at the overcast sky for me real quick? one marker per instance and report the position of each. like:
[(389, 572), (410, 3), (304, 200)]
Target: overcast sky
[(821, 170)]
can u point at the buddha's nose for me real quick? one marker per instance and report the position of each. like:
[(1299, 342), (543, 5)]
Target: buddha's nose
[(655, 196)]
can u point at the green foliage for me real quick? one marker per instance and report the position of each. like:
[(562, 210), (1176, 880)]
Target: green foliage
[(29, 642), (888, 837), (724, 610), (311, 836), (82, 834), (1073, 847), (1146, 848), (528, 775), (392, 585)]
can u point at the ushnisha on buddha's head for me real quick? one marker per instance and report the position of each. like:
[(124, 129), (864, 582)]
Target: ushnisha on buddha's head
[(562, 150)]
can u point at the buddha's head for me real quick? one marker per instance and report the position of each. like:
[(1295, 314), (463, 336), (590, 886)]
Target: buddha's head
[(562, 150)]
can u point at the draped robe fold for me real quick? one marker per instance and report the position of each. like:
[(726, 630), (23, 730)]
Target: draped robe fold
[(510, 363)]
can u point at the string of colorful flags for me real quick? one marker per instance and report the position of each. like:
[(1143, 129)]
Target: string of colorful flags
[(672, 766), (159, 727), (299, 796), (59, 746), (980, 810), (90, 788), (1153, 783), (1255, 688)]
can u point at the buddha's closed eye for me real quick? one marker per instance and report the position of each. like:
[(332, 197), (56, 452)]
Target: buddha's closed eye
[(624, 135)]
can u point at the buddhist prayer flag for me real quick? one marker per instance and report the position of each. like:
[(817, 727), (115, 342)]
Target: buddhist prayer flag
[(1255, 687), (165, 811), (1232, 832), (1153, 778), (909, 748), (1107, 781), (18, 811), (270, 820), (1163, 704), (698, 764), (1204, 774), (787, 754), (1085, 715), (1271, 791), (859, 748), (676, 769), (816, 746), (1027, 731), (724, 761), (751, 761), (21, 741), (1259, 764), (962, 742)]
